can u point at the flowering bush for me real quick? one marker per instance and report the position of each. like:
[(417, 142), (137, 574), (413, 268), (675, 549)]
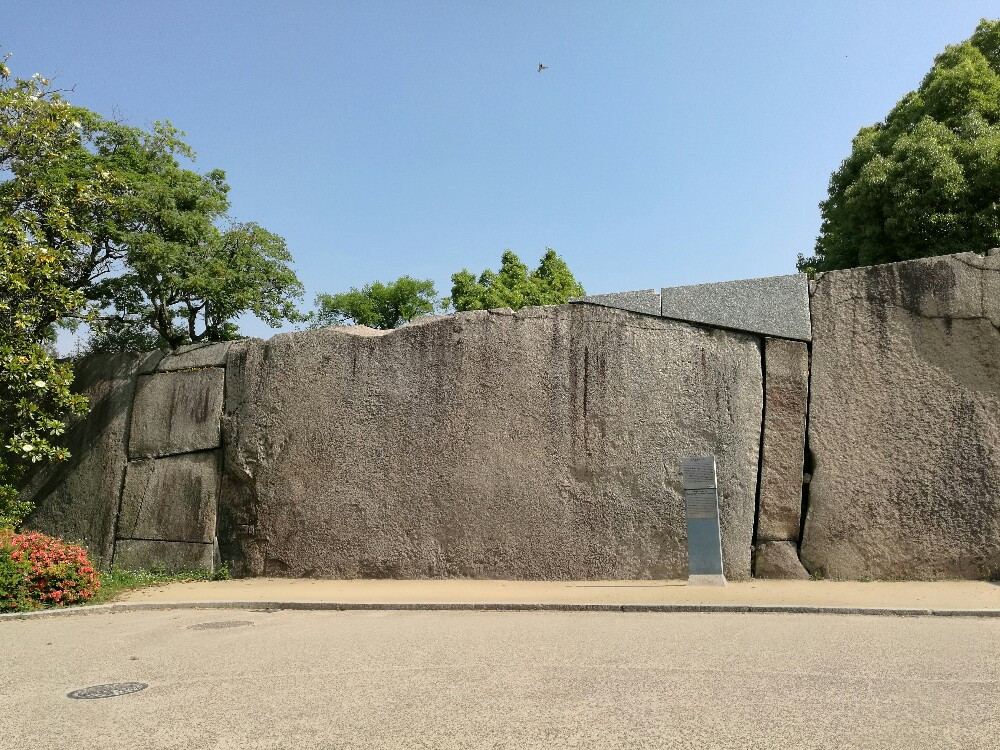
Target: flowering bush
[(38, 570)]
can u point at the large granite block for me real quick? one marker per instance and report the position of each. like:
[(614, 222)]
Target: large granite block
[(646, 301), (773, 306), (778, 560), (786, 392), (78, 499), (543, 444), (904, 422), (172, 498), (172, 557), (193, 356), (177, 412)]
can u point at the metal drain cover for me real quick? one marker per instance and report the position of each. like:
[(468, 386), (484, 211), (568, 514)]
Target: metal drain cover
[(108, 691), (220, 624)]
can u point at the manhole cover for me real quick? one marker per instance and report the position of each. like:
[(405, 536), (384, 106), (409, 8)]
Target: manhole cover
[(219, 625), (108, 691)]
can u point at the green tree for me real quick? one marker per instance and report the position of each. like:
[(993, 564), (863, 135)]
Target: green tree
[(378, 305), (183, 278), (552, 283), (38, 132), (926, 180)]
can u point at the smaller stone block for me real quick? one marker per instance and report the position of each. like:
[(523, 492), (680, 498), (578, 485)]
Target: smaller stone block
[(177, 412), (772, 306), (645, 301), (171, 498), (173, 557), (786, 395), (779, 560), (193, 356)]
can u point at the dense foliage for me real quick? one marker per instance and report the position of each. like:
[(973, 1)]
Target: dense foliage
[(551, 283), (926, 181), (378, 305), (38, 234), (101, 225), (184, 275), (37, 571)]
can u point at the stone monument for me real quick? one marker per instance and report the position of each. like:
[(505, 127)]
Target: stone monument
[(701, 510)]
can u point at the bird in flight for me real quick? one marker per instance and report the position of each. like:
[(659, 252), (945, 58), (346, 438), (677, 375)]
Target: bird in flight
[(542, 67)]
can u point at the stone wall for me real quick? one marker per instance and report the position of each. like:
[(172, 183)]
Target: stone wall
[(547, 443), (904, 421), (543, 444)]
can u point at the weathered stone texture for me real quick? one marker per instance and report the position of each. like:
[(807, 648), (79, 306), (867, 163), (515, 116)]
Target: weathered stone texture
[(773, 306), (904, 422), (195, 356), (646, 301), (173, 557), (177, 412), (786, 374), (78, 499), (778, 560), (545, 444), (172, 498)]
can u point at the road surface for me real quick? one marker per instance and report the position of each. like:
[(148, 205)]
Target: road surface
[(292, 679)]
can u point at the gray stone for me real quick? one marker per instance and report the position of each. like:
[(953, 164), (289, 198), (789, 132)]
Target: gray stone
[(150, 361), (646, 301), (172, 557), (786, 395), (542, 444), (177, 412), (904, 423), (172, 498), (194, 356), (778, 560), (773, 306), (78, 499)]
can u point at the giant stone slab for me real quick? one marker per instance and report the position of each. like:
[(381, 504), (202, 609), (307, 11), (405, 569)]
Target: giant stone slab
[(904, 422), (542, 444), (177, 412), (172, 557), (172, 498), (786, 392), (194, 356), (773, 306), (645, 301), (77, 500), (778, 560)]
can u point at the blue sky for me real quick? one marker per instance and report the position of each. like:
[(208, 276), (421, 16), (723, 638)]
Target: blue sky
[(668, 143)]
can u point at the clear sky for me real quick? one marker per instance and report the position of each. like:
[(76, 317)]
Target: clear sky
[(667, 143)]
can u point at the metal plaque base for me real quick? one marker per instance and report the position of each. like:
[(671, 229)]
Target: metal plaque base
[(706, 580)]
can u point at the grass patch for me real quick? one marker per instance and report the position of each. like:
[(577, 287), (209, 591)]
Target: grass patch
[(119, 581)]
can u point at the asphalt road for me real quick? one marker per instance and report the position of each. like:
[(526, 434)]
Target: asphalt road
[(502, 680)]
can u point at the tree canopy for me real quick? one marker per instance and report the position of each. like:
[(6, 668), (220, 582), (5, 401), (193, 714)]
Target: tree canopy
[(101, 225), (551, 283), (38, 130), (378, 305), (926, 180)]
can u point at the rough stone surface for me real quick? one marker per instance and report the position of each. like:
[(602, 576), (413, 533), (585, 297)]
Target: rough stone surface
[(78, 499), (645, 301), (195, 356), (173, 557), (177, 412), (773, 306), (172, 498), (545, 444), (786, 393), (904, 422), (778, 560)]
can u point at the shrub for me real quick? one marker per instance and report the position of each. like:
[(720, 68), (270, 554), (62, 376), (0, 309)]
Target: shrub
[(38, 570)]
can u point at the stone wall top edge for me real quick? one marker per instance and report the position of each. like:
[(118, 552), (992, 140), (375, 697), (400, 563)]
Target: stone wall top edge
[(980, 260)]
